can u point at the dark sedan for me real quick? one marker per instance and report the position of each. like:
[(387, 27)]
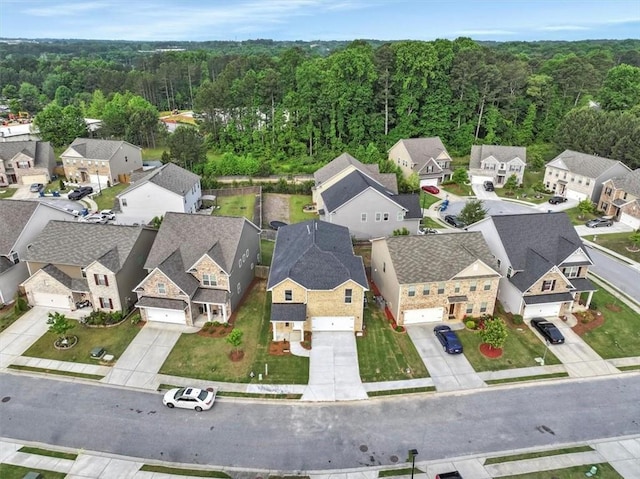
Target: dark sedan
[(548, 330), (448, 338), (80, 193), (598, 222), (454, 221), (555, 200)]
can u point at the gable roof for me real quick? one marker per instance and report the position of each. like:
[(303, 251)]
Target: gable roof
[(40, 151), (338, 164), (349, 187), (74, 284), (14, 216), (421, 150), (429, 258), (95, 149), (170, 176), (78, 243), (591, 166), (317, 255), (629, 183), (499, 152)]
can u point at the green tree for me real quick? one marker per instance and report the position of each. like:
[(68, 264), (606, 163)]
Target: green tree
[(59, 324), (235, 338), (635, 240), (29, 97), (621, 88), (494, 333), (511, 184), (586, 207), (60, 126), (460, 176), (472, 212), (187, 148)]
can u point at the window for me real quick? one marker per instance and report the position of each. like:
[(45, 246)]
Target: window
[(106, 303), (123, 201), (499, 262), (288, 295), (483, 307), (14, 257), (571, 271), (549, 285), (426, 290), (457, 288), (384, 267), (411, 291), (607, 191), (509, 272), (162, 288), (587, 182), (209, 279), (385, 216), (473, 286), (604, 206), (101, 279), (348, 295), (238, 288), (363, 217), (469, 309), (487, 285), (440, 288), (400, 216), (23, 164), (378, 217)]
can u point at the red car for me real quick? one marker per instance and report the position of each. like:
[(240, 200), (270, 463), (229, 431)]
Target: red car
[(431, 189)]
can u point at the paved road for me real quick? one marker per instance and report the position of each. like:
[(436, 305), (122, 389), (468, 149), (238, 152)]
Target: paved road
[(309, 436), (623, 276)]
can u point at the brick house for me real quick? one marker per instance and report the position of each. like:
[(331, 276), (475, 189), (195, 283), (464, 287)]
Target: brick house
[(26, 162), (620, 198), (427, 157), (433, 278)]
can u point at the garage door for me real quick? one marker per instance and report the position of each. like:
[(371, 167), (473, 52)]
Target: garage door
[(166, 315), (574, 195), (542, 310), (51, 300), (333, 323), (429, 315), (630, 221), (27, 180), (429, 182)]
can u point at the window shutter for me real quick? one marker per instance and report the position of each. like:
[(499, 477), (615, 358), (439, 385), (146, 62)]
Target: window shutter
[(95, 279), (106, 280), (110, 304)]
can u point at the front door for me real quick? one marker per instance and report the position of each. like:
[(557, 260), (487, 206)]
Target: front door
[(452, 310)]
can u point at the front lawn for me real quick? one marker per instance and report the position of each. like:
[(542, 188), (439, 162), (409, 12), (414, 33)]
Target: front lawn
[(8, 316), (296, 213), (577, 217), (618, 242), (239, 205), (207, 358), (384, 354), (9, 471), (114, 340), (456, 189), (619, 336), (428, 222), (106, 198), (7, 192), (576, 472), (427, 199)]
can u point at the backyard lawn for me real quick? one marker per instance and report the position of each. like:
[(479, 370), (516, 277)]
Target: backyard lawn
[(296, 214), (618, 242), (266, 250), (384, 354), (107, 196), (240, 205)]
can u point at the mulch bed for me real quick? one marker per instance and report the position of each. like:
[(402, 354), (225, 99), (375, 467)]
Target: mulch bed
[(279, 348), (490, 352), (216, 331), (236, 356), (588, 321)]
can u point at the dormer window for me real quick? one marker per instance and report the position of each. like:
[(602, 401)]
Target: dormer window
[(209, 280), (162, 288), (288, 295), (14, 257)]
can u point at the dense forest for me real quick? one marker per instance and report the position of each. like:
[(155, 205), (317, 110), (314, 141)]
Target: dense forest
[(269, 104)]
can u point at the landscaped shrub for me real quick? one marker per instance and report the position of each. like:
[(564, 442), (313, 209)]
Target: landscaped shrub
[(136, 318), (593, 306), (471, 324), (103, 318), (517, 319)]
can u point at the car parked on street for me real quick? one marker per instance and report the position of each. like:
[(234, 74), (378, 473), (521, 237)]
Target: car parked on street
[(80, 193), (598, 222), (548, 330), (555, 200), (448, 338), (36, 187), (434, 190), (488, 186), (109, 214), (190, 398), (454, 221)]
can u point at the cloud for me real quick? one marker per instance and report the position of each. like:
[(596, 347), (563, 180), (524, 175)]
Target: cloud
[(66, 9), (563, 28)]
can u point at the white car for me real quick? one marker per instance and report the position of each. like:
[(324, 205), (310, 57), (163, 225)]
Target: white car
[(93, 218), (190, 398), (110, 215)]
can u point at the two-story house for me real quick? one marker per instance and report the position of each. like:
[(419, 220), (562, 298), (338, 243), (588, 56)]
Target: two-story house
[(542, 260), (20, 223), (433, 278), (74, 261), (427, 157), (316, 281), (156, 192), (580, 176), (620, 198), (199, 269), (26, 162), (497, 164), (101, 162)]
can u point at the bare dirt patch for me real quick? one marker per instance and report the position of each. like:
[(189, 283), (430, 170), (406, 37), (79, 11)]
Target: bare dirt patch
[(275, 208)]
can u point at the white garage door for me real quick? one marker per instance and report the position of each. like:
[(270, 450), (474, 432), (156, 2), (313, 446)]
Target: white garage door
[(166, 315), (27, 180), (429, 315), (629, 220), (542, 310), (478, 180), (333, 323), (429, 182), (574, 195), (51, 300)]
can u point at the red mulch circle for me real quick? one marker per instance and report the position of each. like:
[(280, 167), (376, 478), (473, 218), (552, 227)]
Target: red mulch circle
[(236, 356), (587, 321), (490, 352)]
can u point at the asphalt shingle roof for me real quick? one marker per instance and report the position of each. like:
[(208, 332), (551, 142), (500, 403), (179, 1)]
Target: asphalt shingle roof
[(590, 166), (317, 255), (338, 164), (629, 183), (74, 284), (170, 177), (40, 151), (95, 149), (421, 150), (499, 152), (14, 216), (431, 258), (349, 187)]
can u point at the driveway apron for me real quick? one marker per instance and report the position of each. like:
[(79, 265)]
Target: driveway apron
[(450, 372), (482, 194), (141, 361), (334, 374)]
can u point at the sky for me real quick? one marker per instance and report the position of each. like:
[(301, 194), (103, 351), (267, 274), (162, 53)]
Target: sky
[(308, 20)]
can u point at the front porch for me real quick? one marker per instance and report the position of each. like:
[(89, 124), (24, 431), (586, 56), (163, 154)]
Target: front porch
[(211, 305)]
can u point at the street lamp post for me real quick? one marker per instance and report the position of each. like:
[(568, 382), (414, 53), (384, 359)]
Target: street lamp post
[(413, 453), (98, 175)]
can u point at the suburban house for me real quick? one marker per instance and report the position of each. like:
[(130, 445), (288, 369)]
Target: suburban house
[(74, 261), (26, 162), (433, 278), (156, 192), (357, 196), (20, 223), (427, 157), (579, 176), (199, 269), (542, 261), (316, 281), (497, 164), (19, 132), (620, 198), (101, 162)]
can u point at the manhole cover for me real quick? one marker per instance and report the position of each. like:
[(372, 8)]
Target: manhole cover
[(364, 448), (393, 458)]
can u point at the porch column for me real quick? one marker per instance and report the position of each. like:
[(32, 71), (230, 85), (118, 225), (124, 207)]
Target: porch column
[(589, 299), (224, 313), (208, 309)]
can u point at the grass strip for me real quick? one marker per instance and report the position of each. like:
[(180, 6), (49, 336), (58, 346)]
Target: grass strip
[(184, 472), (605, 471), (236, 394), (399, 472), (48, 453), (394, 392), (629, 368), (18, 367), (9, 471), (527, 378), (535, 455)]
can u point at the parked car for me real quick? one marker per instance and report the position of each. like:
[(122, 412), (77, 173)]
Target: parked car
[(94, 218), (80, 193), (109, 214), (190, 398), (36, 187), (431, 189), (449, 475), (427, 231), (548, 330), (488, 186), (454, 221), (598, 222), (448, 338), (554, 200)]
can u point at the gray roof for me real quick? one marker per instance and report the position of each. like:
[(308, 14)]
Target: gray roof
[(5, 264), (430, 258), (349, 187), (548, 298), (288, 312), (590, 166), (421, 150), (95, 149), (317, 255), (629, 183), (210, 295), (535, 242), (78, 243), (163, 303), (499, 152), (14, 216), (335, 166), (74, 284), (169, 176), (412, 204), (40, 151)]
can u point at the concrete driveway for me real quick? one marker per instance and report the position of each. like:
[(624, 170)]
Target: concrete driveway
[(334, 374), (450, 372), (482, 194), (616, 227)]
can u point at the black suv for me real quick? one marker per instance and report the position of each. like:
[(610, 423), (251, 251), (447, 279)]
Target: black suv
[(454, 221), (554, 200), (80, 193), (488, 186)]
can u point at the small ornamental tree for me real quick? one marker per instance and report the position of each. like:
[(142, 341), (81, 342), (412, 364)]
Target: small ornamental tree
[(586, 207), (511, 184), (494, 333), (472, 212), (460, 176), (235, 338), (59, 324), (635, 241)]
